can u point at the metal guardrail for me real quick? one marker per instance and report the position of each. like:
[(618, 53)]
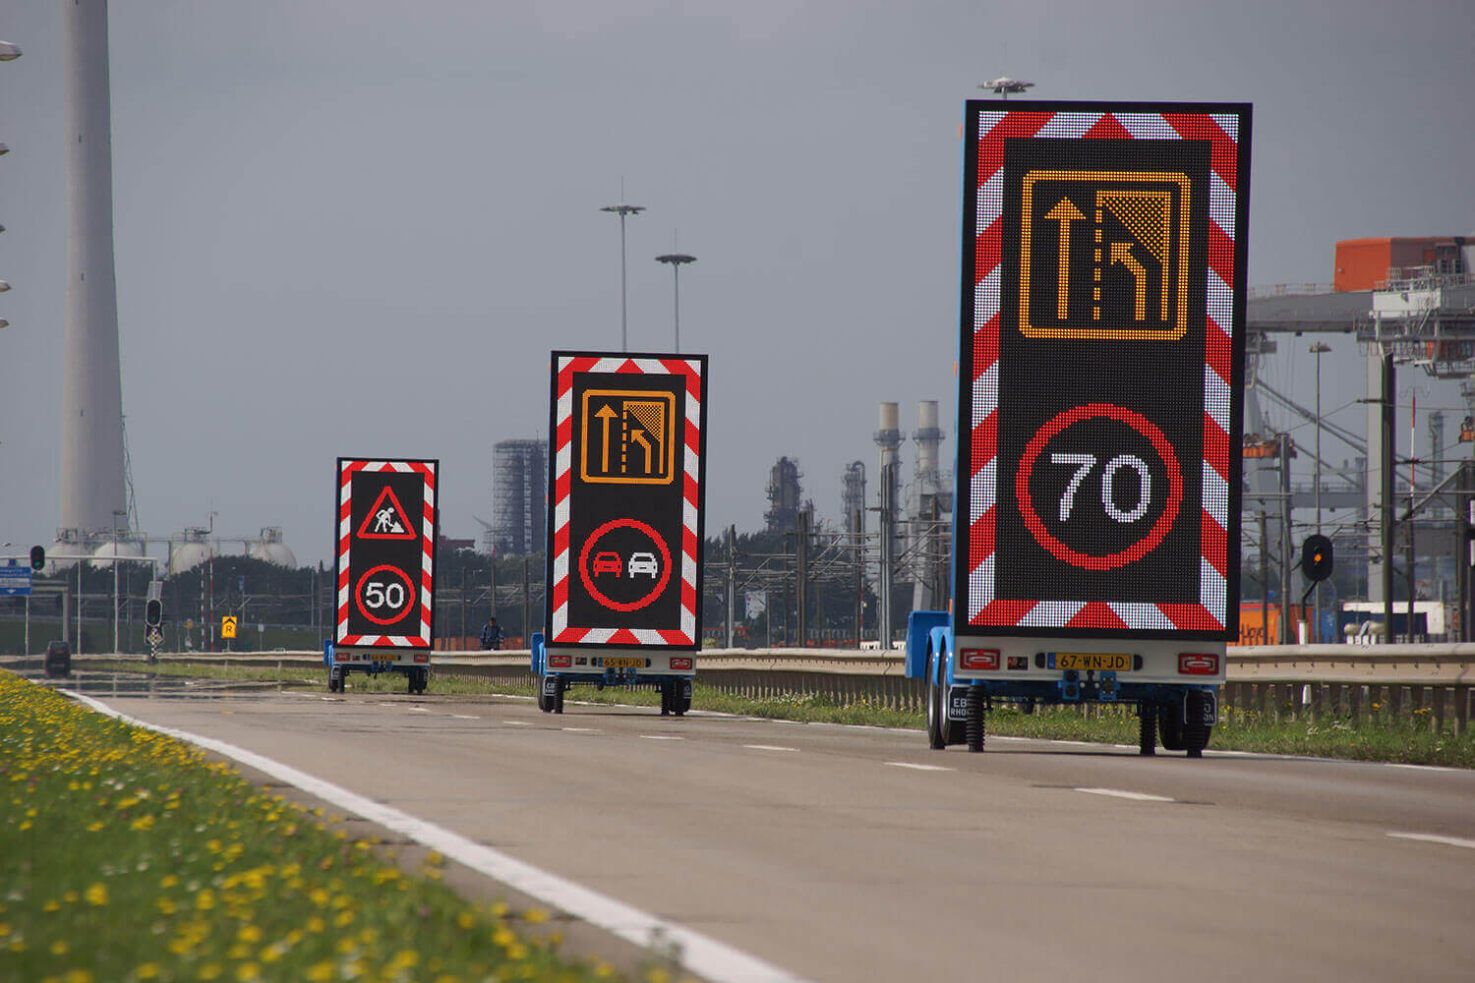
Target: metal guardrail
[(1350, 682)]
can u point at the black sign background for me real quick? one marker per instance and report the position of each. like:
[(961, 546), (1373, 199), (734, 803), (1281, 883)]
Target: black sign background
[(1060, 392), (369, 556), (611, 523)]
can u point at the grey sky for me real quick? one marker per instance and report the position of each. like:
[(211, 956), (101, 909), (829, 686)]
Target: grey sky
[(359, 227)]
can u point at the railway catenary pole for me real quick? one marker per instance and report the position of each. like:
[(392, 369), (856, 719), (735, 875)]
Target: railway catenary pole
[(1318, 349), (1285, 539), (731, 586), (1386, 428), (1264, 576)]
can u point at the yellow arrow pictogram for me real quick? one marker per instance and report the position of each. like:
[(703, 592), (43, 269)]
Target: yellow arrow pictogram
[(605, 414), (638, 437), (1121, 252), (1064, 212)]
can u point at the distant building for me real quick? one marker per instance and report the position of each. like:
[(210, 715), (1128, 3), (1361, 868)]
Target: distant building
[(784, 493), (519, 496), (448, 545)]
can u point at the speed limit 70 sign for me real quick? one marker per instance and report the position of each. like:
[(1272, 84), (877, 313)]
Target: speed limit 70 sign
[(387, 529), (1103, 334)]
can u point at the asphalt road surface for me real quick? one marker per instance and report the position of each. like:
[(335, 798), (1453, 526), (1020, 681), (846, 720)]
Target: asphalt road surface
[(846, 853)]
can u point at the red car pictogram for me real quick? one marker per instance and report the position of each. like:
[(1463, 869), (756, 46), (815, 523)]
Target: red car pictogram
[(608, 562)]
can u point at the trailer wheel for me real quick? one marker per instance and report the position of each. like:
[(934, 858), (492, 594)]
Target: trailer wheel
[(934, 706), (977, 720), (545, 701), (559, 686), (1146, 729), (1170, 724), (668, 696), (1195, 731), (335, 681), (680, 699)]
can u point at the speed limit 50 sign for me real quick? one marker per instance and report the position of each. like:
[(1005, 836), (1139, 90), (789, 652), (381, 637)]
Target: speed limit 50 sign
[(385, 573), (1100, 410)]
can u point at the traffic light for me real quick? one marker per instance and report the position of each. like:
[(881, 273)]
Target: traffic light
[(1316, 558), (38, 557), (153, 613)]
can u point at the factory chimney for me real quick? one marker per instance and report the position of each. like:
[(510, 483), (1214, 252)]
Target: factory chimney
[(92, 481)]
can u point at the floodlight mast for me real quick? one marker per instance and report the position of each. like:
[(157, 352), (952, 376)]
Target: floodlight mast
[(1004, 86), (676, 261), (622, 210)]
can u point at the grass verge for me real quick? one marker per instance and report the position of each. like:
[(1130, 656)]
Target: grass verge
[(1406, 741), (126, 855)]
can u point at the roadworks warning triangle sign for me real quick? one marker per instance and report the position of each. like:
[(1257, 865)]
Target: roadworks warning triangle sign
[(387, 519)]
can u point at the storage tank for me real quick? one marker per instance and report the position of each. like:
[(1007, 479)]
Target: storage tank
[(121, 549), (189, 551), (269, 547)]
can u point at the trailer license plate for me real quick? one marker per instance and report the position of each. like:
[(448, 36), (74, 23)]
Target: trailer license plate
[(623, 662), (1097, 661), (383, 656)]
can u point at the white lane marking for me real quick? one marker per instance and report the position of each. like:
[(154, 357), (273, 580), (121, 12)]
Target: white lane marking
[(1123, 794), (581, 730), (916, 767), (417, 710), (661, 737), (1431, 838), (768, 747), (1393, 764), (391, 705), (465, 716), (702, 955), (516, 723)]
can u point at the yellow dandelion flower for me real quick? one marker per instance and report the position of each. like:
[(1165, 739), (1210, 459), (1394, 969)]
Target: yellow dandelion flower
[(249, 933), (97, 895), (320, 972), (148, 971), (78, 976), (535, 916), (166, 906), (59, 948), (343, 919), (94, 827), (51, 906), (315, 924), (70, 897), (406, 959), (209, 971), (465, 920), (657, 975), (142, 823), (246, 972)]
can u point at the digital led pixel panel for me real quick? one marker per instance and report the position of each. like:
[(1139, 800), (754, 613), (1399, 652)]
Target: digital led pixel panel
[(625, 526), (1100, 411), (387, 522)]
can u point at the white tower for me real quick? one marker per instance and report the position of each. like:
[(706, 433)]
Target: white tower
[(92, 483)]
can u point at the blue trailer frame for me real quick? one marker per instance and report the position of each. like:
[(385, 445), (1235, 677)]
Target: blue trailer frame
[(416, 672)]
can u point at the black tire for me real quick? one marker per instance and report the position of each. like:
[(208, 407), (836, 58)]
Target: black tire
[(1195, 731), (1146, 729), (1170, 724), (335, 681), (681, 701), (561, 685), (974, 727), (934, 706), (545, 702), (668, 696)]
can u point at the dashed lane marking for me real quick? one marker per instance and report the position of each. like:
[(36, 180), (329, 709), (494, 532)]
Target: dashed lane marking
[(1432, 838), (768, 747), (465, 716), (581, 730), (661, 737), (702, 955), (916, 767), (516, 723), (1118, 793)]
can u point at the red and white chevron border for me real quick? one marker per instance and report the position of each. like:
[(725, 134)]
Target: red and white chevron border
[(562, 631), (346, 471), (985, 609)]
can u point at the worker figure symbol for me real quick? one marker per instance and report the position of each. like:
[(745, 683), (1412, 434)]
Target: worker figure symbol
[(629, 437), (387, 519), (1104, 254)]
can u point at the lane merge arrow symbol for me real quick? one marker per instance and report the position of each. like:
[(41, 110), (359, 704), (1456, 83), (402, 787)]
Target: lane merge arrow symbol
[(1064, 212), (1121, 252)]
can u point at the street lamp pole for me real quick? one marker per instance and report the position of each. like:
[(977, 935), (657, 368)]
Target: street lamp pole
[(676, 261), (8, 52), (117, 514), (622, 210), (1318, 349)]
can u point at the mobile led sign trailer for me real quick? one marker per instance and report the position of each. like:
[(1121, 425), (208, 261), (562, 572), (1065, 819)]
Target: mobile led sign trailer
[(627, 473), (387, 523), (1100, 417)]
